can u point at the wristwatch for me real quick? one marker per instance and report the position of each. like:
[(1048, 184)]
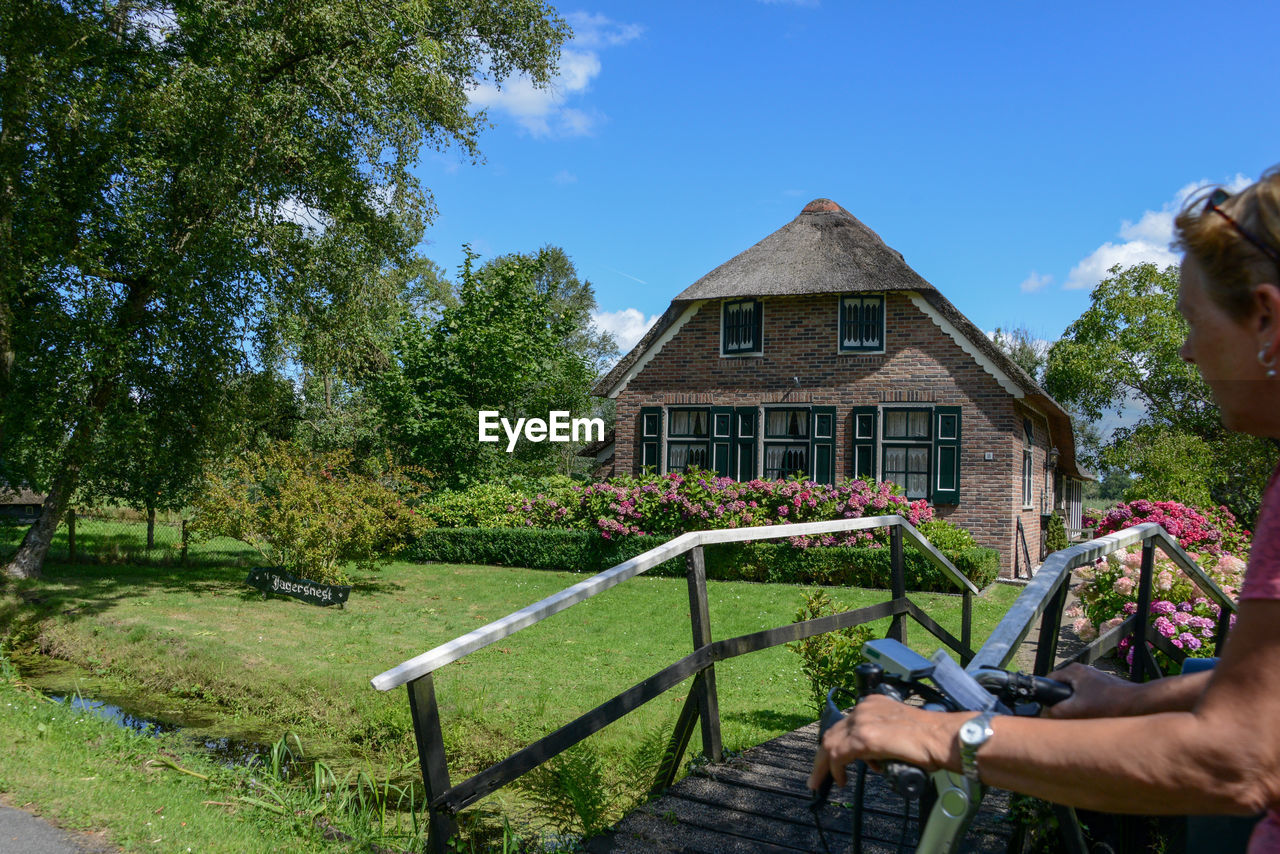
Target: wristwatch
[(973, 734)]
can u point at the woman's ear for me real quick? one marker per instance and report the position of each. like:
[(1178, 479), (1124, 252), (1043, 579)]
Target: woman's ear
[(1266, 302)]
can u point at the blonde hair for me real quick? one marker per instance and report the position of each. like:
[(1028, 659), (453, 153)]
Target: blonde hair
[(1232, 264)]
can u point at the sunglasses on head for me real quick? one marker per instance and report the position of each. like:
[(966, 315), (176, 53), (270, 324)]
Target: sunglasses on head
[(1214, 203)]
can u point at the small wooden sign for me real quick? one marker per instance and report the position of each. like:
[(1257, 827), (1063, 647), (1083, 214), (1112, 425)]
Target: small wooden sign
[(287, 584)]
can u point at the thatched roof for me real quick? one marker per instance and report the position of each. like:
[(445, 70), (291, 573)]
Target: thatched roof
[(19, 495), (824, 250), (827, 250)]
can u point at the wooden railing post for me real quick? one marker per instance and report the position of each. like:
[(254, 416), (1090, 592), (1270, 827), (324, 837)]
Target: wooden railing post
[(966, 620), (700, 620), (897, 583), (431, 756), (1138, 669), (1050, 626)]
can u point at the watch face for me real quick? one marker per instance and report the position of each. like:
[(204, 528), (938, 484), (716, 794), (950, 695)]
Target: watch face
[(970, 732)]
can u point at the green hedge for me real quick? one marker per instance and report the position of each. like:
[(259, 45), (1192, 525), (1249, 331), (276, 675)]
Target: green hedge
[(535, 548), (586, 551)]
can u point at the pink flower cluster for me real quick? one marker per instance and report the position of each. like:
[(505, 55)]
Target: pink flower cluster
[(1182, 614), (675, 503), (1215, 531)]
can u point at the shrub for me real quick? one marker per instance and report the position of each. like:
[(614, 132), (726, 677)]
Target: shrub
[(307, 513), (828, 660), (584, 551), (1179, 611), (1055, 534), (535, 548), (1214, 532)]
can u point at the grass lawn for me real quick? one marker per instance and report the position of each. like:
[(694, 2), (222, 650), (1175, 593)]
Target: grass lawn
[(197, 640)]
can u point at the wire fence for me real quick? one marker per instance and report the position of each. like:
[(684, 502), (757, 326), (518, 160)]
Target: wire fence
[(123, 535)]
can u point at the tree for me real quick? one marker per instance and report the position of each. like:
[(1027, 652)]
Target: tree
[(1125, 348), (202, 165), (1027, 352), (556, 278), (501, 347)]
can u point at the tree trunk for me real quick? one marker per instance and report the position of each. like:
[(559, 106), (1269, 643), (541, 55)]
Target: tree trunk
[(151, 528), (29, 559)]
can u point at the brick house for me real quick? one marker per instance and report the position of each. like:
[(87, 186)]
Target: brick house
[(818, 350)]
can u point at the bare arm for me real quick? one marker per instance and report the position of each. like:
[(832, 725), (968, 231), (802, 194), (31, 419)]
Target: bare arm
[(1222, 755)]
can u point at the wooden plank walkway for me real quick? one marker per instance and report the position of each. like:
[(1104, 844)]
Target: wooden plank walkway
[(757, 803)]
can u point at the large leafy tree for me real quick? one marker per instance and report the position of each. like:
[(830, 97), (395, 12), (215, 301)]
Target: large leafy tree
[(1124, 350), (503, 346), (209, 166)]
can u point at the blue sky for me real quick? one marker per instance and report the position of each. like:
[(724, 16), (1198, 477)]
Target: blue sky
[(1010, 150)]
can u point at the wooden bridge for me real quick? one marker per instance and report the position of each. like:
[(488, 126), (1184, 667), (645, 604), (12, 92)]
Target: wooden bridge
[(758, 802)]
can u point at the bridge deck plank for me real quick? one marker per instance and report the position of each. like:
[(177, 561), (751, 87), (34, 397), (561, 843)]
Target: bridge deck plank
[(758, 802)]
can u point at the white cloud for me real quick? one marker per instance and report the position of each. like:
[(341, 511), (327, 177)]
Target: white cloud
[(628, 325), (1093, 269), (1035, 282), (1146, 240), (564, 176), (300, 213), (545, 111)]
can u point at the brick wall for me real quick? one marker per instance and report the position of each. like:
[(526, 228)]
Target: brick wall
[(921, 364)]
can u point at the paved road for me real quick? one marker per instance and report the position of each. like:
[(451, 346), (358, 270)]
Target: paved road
[(23, 833)]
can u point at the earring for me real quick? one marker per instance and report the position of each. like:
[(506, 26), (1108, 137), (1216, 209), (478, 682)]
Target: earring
[(1269, 364)]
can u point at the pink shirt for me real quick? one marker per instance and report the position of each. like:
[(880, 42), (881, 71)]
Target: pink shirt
[(1262, 578), (1262, 581)]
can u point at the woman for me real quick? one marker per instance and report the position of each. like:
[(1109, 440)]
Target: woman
[(1196, 744)]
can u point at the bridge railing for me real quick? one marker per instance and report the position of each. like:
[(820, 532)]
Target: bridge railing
[(1045, 598), (445, 798)]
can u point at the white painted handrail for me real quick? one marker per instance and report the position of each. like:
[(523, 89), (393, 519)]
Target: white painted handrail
[(460, 647)]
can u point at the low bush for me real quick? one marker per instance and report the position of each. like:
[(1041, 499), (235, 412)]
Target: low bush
[(1055, 534), (309, 514), (535, 548), (828, 660), (586, 551)]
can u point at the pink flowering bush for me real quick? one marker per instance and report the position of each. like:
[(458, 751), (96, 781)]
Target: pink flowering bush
[(1213, 531), (675, 503), (1179, 610)]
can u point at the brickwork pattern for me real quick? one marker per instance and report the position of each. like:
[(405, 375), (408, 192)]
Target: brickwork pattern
[(801, 364)]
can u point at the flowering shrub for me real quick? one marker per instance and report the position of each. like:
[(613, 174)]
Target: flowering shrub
[(1179, 611), (1213, 531), (674, 503)]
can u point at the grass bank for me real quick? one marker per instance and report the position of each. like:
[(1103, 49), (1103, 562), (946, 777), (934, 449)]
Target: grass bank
[(198, 641)]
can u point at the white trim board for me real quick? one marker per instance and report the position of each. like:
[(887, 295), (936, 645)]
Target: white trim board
[(962, 341), (656, 347)]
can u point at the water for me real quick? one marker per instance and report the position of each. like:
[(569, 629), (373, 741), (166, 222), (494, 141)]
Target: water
[(117, 715)]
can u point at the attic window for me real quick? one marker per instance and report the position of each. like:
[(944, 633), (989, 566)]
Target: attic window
[(740, 330), (862, 324)]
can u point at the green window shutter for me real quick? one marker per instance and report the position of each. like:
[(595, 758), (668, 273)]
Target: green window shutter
[(946, 453), (822, 444), (721, 437), (650, 439), (864, 442), (746, 431)]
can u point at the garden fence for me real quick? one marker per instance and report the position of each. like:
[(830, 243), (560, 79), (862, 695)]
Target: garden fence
[(122, 535)]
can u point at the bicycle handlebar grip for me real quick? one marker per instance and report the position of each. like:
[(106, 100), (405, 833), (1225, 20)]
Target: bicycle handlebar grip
[(1050, 691), (907, 780)]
